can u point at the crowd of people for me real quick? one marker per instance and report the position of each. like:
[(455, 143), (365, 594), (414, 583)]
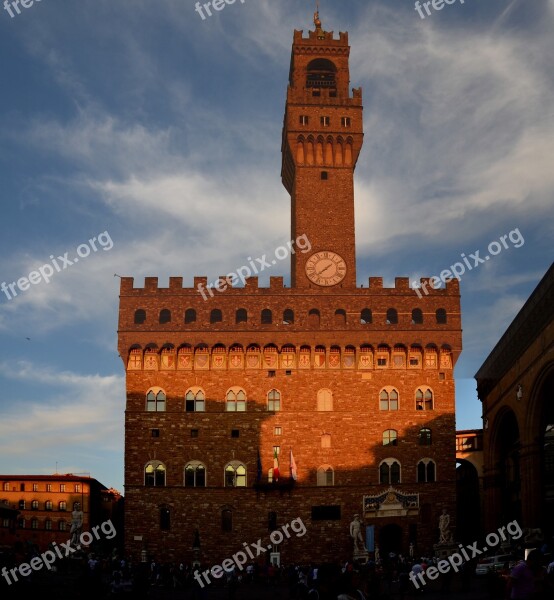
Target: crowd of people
[(96, 576)]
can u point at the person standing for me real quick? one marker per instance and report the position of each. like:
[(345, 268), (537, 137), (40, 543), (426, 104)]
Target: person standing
[(522, 583)]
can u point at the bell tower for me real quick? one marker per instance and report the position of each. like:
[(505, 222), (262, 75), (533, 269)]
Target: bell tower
[(322, 139)]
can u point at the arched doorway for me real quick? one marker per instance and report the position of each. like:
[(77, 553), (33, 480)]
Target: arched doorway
[(468, 512), (390, 540), (507, 453)]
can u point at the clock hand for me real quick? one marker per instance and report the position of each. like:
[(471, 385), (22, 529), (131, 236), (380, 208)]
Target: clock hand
[(325, 269)]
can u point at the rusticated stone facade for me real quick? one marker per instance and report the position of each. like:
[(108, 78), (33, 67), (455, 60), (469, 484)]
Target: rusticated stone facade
[(355, 382)]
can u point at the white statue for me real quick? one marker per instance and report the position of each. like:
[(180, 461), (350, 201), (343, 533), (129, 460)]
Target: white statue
[(356, 534), (76, 524), (444, 527)]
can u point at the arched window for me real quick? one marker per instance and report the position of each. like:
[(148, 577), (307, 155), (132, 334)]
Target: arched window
[(155, 400), (165, 316), (48, 525), (235, 400), (366, 318), (195, 400), (241, 316), (140, 316), (388, 399), (340, 317), (226, 520), (288, 317), (392, 316), (389, 471), (216, 316), (154, 474), (34, 523), (48, 505), (424, 399), (390, 437), (62, 525), (314, 318), (62, 505), (195, 474), (274, 401), (417, 316), (321, 73), (190, 316), (267, 317), (325, 476), (441, 316), (426, 471), (324, 400), (34, 504), (235, 474), (424, 437), (325, 440)]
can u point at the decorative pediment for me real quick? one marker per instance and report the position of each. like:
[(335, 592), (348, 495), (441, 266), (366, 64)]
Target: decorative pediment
[(391, 503)]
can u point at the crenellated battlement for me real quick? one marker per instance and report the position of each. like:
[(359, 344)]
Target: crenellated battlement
[(276, 285)]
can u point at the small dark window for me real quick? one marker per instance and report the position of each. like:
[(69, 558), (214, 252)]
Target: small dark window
[(267, 317), (304, 119), (288, 372), (216, 316), (140, 316), (235, 433), (190, 316), (272, 521), (326, 513), (417, 317), (340, 317), (424, 437), (345, 121), (165, 518), (22, 487), (441, 377), (165, 316), (441, 316), (271, 373), (366, 317), (155, 433), (241, 316), (325, 121), (226, 520), (392, 316), (288, 317), (324, 175), (194, 433)]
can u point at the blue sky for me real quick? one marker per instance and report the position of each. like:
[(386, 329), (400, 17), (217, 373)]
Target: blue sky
[(139, 119)]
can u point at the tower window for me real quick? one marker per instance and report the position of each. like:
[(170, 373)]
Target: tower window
[(346, 121), (325, 121), (321, 73), (140, 316), (324, 175), (304, 119)]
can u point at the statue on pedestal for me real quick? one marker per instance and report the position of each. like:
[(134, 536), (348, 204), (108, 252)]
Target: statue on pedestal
[(356, 535), (76, 524), (444, 527)]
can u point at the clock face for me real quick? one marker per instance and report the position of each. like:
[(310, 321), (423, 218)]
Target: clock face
[(325, 268)]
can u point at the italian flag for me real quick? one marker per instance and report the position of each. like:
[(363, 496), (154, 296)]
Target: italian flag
[(275, 466)]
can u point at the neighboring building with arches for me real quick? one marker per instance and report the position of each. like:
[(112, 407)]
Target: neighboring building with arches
[(356, 380), (516, 386)]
